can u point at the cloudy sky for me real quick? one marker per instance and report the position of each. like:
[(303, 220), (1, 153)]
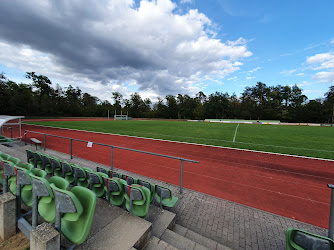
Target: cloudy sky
[(162, 47)]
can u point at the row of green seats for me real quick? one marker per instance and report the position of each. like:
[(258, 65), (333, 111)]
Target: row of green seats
[(5, 139), (73, 173), (106, 183), (74, 224), (9, 158), (163, 195)]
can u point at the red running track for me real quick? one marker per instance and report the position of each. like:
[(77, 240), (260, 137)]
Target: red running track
[(289, 186)]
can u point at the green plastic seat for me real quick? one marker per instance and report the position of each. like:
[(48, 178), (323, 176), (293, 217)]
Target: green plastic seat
[(103, 170), (149, 186), (80, 176), (26, 190), (4, 156), (14, 160), (77, 207), (12, 183), (9, 174), (109, 172), (115, 174), (46, 163), (38, 162), (137, 199), (297, 239), (1, 171), (30, 157), (129, 179), (27, 166), (67, 171), (56, 167), (23, 179), (164, 196), (115, 190), (96, 183), (39, 172), (46, 204)]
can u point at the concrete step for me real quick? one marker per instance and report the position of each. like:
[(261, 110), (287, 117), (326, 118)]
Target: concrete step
[(115, 228), (158, 244), (195, 237), (180, 242), (160, 219)]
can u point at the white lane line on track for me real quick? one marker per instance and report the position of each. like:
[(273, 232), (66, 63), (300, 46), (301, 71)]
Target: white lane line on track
[(190, 143)]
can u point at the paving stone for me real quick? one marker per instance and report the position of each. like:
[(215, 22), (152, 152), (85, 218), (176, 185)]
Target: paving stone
[(180, 230), (160, 219), (158, 244), (177, 240)]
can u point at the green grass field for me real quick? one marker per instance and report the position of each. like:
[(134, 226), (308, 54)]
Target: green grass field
[(296, 140)]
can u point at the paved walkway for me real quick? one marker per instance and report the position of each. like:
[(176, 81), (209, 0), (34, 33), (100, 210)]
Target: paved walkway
[(231, 224)]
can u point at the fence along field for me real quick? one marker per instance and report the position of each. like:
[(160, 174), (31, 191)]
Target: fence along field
[(295, 140)]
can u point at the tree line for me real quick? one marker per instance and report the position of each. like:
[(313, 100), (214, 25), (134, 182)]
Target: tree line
[(284, 103)]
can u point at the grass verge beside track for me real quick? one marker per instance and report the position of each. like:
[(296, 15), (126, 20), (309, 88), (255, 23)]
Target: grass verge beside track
[(295, 140)]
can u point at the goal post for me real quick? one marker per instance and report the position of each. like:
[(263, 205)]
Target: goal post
[(121, 116)]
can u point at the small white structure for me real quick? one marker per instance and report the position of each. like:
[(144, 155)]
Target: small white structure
[(121, 116), (5, 118)]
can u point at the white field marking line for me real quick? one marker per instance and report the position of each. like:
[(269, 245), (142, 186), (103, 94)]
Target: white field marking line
[(189, 137), (235, 134), (245, 185), (197, 144)]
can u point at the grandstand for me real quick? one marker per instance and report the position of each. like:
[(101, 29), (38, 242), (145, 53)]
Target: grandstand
[(115, 215)]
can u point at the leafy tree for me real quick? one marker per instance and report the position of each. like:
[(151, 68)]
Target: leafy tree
[(73, 101), (118, 97), (330, 102), (286, 94), (218, 105), (172, 108), (314, 111), (160, 109), (42, 83), (186, 106), (199, 112)]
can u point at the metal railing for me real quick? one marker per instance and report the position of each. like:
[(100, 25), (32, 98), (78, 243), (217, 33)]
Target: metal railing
[(112, 151)]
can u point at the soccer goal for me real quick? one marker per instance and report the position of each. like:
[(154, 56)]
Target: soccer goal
[(120, 117)]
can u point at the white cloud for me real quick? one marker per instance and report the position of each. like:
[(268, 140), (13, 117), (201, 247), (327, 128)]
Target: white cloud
[(324, 76), (186, 1), (288, 72), (240, 41), (234, 78), (238, 64), (254, 70), (326, 61), (300, 74), (250, 77), (326, 65), (305, 83), (319, 58), (116, 41), (133, 83), (332, 42)]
